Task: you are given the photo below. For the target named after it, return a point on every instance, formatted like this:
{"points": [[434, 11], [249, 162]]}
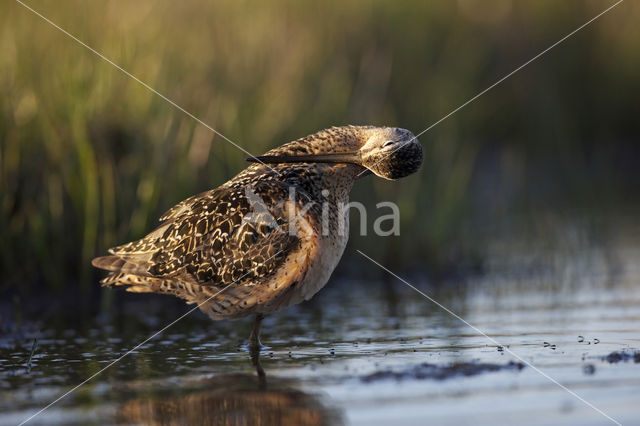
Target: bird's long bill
{"points": [[338, 157]]}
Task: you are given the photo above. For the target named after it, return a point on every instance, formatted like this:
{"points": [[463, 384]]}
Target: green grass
{"points": [[89, 158]]}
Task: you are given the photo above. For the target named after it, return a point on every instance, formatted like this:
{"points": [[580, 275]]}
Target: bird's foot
{"points": [[254, 347]]}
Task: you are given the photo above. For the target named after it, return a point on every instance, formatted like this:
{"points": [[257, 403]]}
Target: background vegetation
{"points": [[89, 158]]}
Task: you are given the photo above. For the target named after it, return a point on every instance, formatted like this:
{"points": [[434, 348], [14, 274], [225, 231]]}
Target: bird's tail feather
{"points": [[236, 302], [109, 263], [138, 283], [129, 274], [132, 264]]}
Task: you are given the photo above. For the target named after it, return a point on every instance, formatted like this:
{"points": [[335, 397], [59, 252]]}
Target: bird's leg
{"points": [[254, 348], [262, 377], [254, 339]]}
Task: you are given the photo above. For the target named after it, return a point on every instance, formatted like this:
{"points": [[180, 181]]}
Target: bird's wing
{"points": [[216, 238], [184, 206]]}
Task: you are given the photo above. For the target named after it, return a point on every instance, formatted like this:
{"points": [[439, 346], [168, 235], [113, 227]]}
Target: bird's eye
{"points": [[388, 143]]}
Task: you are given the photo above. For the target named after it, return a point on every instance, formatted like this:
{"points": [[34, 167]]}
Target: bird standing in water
{"points": [[271, 236]]}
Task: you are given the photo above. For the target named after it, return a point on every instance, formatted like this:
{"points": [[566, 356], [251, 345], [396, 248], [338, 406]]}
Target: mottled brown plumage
{"points": [[263, 258]]}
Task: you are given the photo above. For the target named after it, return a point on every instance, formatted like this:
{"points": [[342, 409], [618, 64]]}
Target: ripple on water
{"points": [[364, 360]]}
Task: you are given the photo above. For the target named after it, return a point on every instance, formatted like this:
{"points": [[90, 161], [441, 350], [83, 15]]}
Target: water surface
{"points": [[361, 352]]}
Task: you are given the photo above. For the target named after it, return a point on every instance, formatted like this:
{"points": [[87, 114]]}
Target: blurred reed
{"points": [[89, 158]]}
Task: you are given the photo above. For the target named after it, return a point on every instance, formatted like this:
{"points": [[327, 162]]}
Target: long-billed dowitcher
{"points": [[271, 236]]}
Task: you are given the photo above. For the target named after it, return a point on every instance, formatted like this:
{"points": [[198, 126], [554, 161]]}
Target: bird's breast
{"points": [[330, 239]]}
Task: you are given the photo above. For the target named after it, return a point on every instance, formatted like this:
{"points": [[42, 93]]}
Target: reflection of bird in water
{"points": [[271, 236], [226, 400]]}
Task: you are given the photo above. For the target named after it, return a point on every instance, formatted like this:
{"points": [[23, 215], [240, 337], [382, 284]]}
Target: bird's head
{"points": [[388, 152], [391, 153]]}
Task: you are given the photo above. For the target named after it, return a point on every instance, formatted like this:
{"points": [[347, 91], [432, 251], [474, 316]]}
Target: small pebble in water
{"points": [[589, 369], [500, 348], [596, 341], [580, 339], [546, 344]]}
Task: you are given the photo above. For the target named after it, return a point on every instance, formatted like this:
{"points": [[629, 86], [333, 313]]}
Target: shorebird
{"points": [[271, 236]]}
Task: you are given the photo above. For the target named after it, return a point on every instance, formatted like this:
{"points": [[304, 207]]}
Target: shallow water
{"points": [[361, 352]]}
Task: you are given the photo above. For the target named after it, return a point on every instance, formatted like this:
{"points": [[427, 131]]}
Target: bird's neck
{"points": [[333, 140]]}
